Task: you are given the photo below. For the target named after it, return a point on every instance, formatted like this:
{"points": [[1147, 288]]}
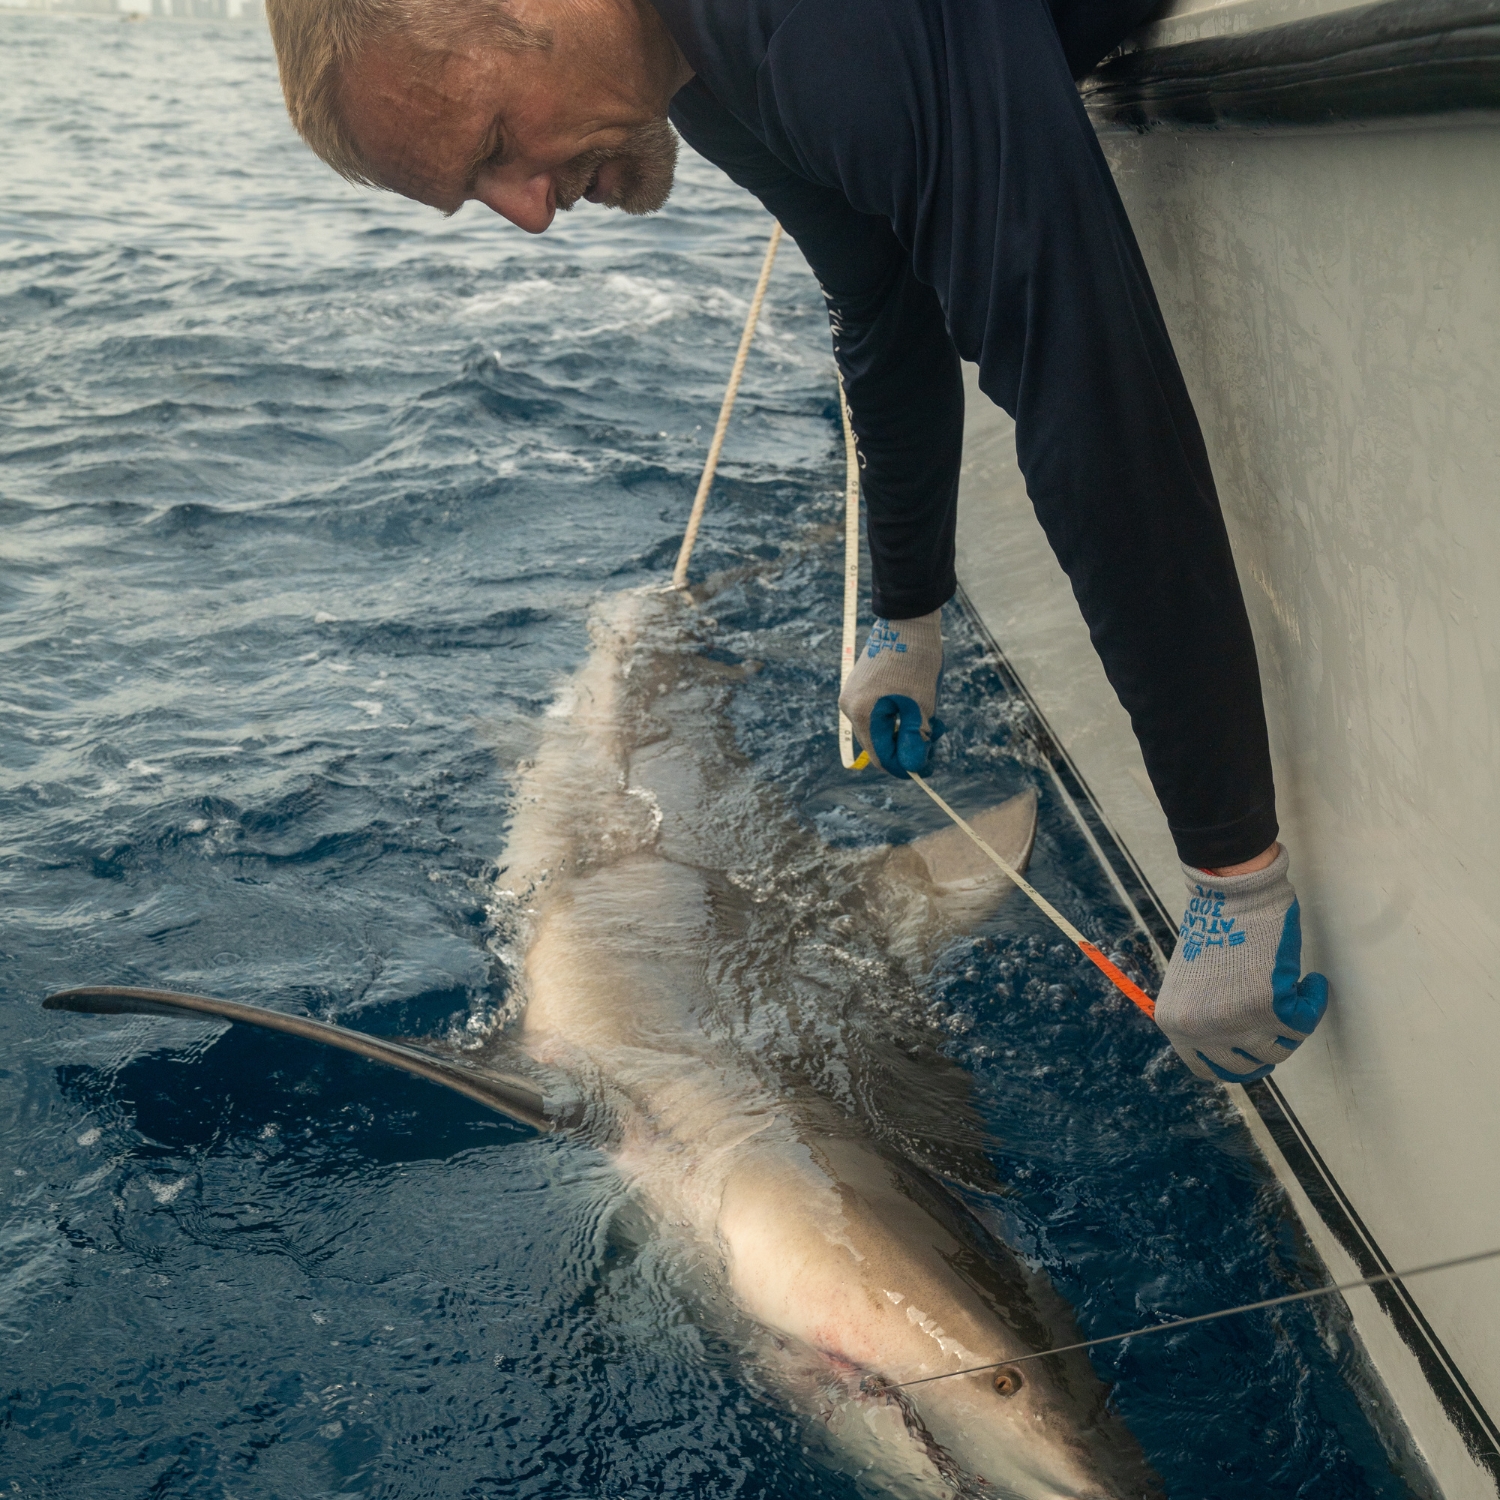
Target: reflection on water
{"points": [[305, 494]]}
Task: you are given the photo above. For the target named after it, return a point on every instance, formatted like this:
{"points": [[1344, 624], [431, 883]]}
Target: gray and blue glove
{"points": [[891, 692], [1234, 1002]]}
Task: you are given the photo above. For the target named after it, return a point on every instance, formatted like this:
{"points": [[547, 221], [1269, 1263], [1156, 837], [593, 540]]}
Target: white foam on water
{"points": [[589, 308], [166, 1192]]}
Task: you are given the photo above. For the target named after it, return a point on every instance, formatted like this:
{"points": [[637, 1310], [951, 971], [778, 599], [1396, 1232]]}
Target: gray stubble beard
{"points": [[649, 157]]}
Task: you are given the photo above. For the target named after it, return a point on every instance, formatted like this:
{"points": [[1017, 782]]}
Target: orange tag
{"points": [[1125, 986]]}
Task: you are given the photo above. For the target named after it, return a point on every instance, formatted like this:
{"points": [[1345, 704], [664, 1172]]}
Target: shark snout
{"points": [[1018, 1434]]}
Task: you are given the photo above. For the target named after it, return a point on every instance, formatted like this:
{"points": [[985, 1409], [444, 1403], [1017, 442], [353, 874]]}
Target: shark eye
{"points": [[1008, 1380]]}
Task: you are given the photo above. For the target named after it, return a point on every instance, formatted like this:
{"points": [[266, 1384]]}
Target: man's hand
{"points": [[1233, 1004], [892, 692]]}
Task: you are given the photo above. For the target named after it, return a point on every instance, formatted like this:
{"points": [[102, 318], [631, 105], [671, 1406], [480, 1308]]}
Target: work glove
{"points": [[891, 693], [1233, 1003]]}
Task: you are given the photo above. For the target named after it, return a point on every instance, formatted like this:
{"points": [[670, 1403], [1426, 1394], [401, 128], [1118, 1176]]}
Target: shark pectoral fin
{"points": [[952, 861], [522, 1100], [942, 883]]}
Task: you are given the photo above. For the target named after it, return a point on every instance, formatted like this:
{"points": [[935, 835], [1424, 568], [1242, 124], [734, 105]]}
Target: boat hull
{"points": [[1333, 296]]}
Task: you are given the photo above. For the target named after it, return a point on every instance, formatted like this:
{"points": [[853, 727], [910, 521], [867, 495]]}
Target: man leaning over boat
{"points": [[934, 163]]}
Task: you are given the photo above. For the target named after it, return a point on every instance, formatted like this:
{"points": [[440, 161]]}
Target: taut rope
{"points": [[1127, 987], [690, 536], [1225, 1312], [851, 761], [851, 580]]}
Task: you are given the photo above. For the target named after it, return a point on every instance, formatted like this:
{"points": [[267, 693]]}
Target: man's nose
{"points": [[528, 202]]}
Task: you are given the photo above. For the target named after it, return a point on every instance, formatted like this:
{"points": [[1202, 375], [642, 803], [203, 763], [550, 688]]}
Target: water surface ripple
{"points": [[305, 494]]}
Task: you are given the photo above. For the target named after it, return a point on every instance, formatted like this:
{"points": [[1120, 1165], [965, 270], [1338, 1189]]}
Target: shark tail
{"points": [[516, 1097]]}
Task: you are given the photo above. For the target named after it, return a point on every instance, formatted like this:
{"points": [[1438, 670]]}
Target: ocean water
{"points": [[306, 493]]}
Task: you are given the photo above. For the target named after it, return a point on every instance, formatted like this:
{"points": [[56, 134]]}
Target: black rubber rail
{"points": [[503, 1092], [1395, 58]]}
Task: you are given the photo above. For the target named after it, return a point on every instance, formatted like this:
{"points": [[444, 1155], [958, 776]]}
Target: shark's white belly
{"points": [[651, 982], [814, 1238]]}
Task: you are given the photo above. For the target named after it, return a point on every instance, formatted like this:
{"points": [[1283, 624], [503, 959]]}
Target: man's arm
{"points": [[901, 377], [900, 370], [959, 124]]}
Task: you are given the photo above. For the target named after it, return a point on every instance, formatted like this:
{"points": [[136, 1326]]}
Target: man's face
{"points": [[524, 132]]}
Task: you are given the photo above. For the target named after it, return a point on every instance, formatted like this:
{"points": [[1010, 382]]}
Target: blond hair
{"points": [[317, 41]]}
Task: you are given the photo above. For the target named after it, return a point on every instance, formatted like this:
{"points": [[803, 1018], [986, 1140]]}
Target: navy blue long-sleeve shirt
{"points": [[935, 165]]}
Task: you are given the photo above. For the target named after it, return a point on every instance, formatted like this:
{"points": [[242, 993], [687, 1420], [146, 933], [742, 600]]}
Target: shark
{"points": [[720, 1003]]}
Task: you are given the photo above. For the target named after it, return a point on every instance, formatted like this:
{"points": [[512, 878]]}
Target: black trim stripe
{"points": [[1395, 58], [1461, 1406]]}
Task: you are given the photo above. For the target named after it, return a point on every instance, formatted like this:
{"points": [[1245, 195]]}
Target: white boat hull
{"points": [[1334, 296]]}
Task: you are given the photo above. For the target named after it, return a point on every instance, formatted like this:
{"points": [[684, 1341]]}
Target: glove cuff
{"points": [[1245, 893], [922, 633]]}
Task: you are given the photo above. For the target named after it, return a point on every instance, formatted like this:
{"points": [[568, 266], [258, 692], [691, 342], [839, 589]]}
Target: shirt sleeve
{"points": [[957, 122]]}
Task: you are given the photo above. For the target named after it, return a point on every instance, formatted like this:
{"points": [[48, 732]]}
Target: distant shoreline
{"points": [[252, 13]]}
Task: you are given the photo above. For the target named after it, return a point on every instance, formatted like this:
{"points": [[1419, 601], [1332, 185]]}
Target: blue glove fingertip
{"points": [[896, 735], [911, 749], [883, 720], [1298, 1003], [1304, 1007], [1225, 1076]]}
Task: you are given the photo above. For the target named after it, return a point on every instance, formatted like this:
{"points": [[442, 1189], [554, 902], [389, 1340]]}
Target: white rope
{"points": [[1058, 920], [690, 536], [1225, 1312], [851, 602], [851, 576]]}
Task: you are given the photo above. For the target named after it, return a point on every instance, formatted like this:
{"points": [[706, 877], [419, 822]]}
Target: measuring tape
{"points": [[851, 760]]}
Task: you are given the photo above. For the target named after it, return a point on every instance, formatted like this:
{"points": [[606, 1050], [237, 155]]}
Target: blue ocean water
{"points": [[306, 493]]}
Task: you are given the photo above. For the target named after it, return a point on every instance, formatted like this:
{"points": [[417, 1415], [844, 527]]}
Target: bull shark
{"points": [[676, 935]]}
